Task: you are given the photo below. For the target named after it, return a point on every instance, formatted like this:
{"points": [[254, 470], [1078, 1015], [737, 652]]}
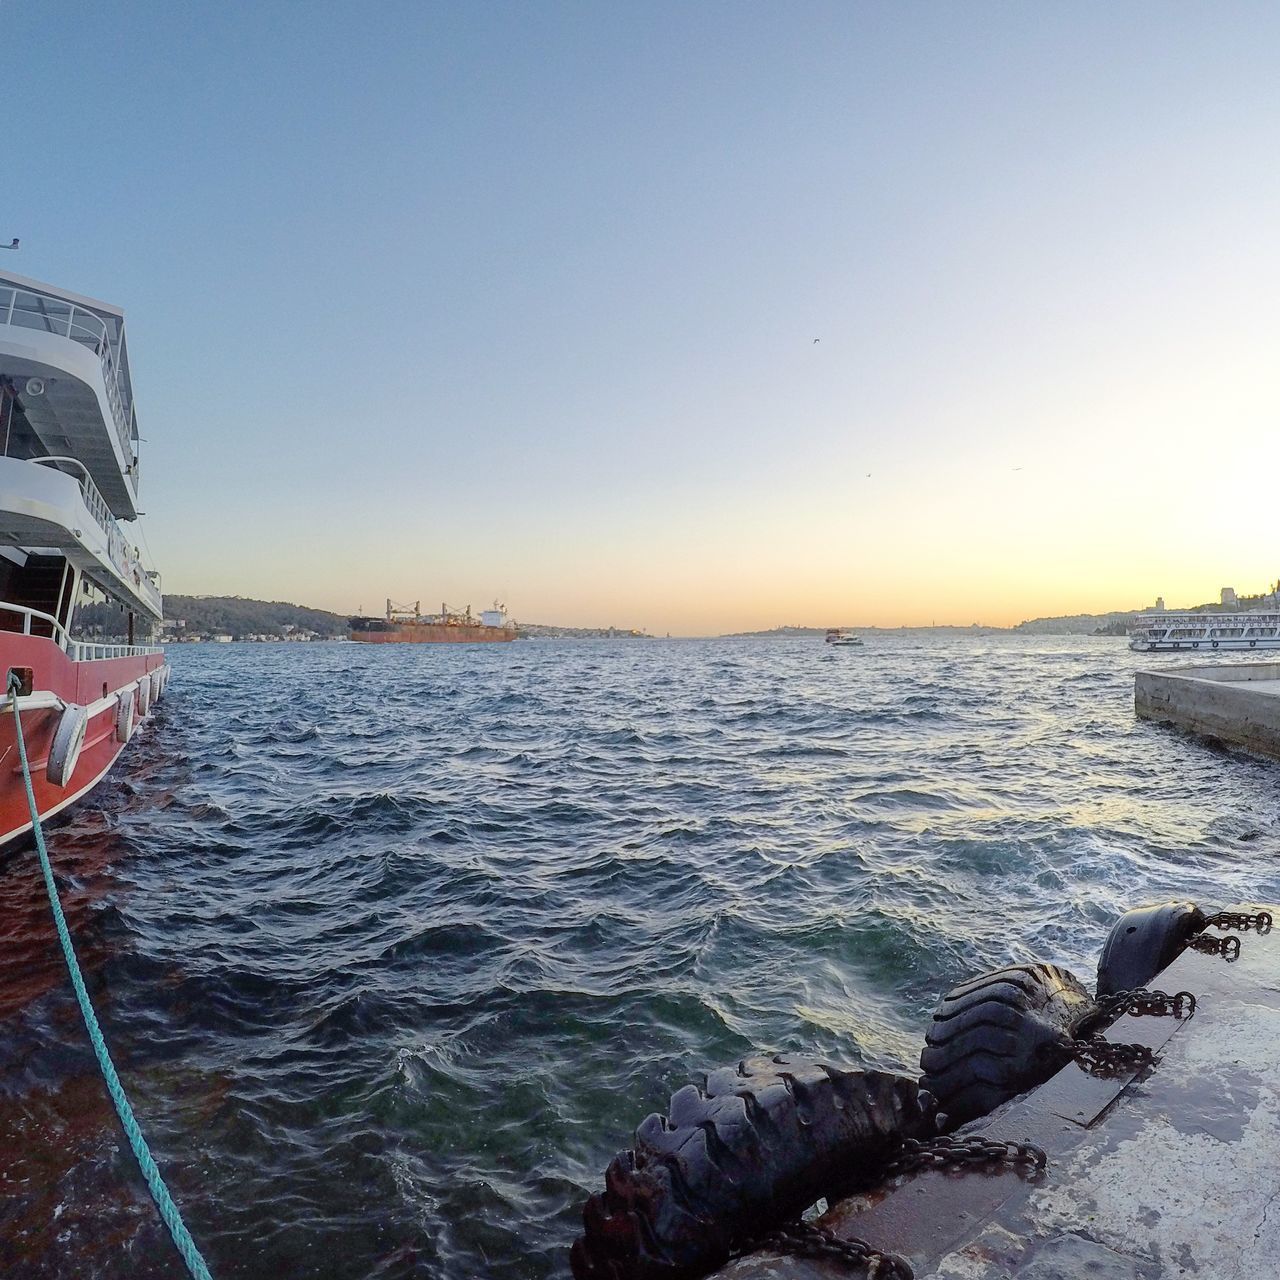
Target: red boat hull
{"points": [[436, 633], [57, 682]]}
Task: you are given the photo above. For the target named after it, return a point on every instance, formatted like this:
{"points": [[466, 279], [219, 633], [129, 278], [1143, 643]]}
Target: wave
{"points": [[400, 948]]}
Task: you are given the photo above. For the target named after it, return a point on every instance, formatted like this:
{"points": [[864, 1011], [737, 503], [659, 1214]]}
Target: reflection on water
{"points": [[395, 946]]}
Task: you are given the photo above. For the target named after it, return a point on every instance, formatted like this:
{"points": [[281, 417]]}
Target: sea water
{"points": [[395, 946]]}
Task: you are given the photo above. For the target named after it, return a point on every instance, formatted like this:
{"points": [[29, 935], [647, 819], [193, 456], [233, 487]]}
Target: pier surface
{"points": [[1169, 1172], [1235, 702]]}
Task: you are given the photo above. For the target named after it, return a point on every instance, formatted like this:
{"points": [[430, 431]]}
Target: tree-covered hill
{"points": [[234, 616], [218, 615]]}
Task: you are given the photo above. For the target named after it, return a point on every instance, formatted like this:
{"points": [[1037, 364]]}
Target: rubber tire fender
{"points": [[1143, 942], [747, 1151], [143, 699], [999, 1035], [68, 739], [124, 715]]}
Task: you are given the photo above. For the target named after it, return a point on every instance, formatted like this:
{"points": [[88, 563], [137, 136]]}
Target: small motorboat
{"points": [[846, 639]]}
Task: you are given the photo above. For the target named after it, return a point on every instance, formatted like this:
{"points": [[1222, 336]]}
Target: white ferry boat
{"points": [[68, 475], [844, 639], [1169, 631]]}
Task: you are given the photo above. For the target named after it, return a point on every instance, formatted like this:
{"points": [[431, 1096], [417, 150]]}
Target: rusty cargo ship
{"points": [[405, 625]]}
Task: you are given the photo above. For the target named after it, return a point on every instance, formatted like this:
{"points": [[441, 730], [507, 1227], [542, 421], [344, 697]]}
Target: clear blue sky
{"points": [[457, 300]]}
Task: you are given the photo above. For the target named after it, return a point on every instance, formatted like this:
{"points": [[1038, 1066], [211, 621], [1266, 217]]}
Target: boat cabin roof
{"points": [[111, 316]]}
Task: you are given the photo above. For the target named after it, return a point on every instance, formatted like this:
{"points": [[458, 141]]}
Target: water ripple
{"points": [[396, 946]]}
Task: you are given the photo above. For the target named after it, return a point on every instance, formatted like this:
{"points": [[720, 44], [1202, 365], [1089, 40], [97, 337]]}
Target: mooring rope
{"points": [[186, 1246]]}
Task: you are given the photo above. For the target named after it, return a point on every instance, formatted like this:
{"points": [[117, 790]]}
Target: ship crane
{"points": [[401, 611]]}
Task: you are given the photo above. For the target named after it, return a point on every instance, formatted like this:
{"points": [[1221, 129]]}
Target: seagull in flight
{"points": [[815, 339]]}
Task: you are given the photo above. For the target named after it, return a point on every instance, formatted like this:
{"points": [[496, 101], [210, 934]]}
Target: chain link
{"points": [[1228, 948], [971, 1150], [1143, 1003], [1260, 921], [1101, 1057], [1096, 1055], [804, 1240]]}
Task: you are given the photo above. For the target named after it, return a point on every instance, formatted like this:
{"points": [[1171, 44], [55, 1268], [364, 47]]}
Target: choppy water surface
{"points": [[396, 945]]}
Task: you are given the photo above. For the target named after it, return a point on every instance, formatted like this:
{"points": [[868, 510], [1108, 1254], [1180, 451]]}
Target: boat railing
{"points": [[27, 310], [126, 563], [76, 650]]}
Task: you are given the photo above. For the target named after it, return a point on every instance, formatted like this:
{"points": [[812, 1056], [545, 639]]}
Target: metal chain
{"points": [[1099, 1056], [1143, 1003], [971, 1150], [804, 1240], [1228, 948], [1260, 920]]}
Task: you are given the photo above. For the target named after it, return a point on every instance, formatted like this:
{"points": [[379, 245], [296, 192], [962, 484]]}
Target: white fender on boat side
{"points": [[144, 696], [157, 685], [124, 714], [68, 738]]}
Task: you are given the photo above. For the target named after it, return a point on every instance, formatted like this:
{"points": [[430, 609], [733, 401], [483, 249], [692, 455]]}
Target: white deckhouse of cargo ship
{"points": [[1169, 631], [68, 475]]}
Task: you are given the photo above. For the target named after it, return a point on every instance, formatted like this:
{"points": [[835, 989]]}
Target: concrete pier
{"points": [[1234, 702], [1169, 1172]]}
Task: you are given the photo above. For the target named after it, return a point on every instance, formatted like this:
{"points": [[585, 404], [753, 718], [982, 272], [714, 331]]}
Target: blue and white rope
{"points": [[159, 1192]]}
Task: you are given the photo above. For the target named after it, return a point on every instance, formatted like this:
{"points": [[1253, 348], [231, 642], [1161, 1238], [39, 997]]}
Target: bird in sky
{"points": [[815, 339], [14, 245]]}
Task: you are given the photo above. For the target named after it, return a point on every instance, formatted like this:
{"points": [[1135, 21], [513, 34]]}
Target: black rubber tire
{"points": [[1143, 942], [999, 1035], [750, 1150]]}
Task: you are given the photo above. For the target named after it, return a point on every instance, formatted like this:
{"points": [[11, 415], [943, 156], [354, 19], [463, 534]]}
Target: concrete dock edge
{"points": [[1237, 703]]}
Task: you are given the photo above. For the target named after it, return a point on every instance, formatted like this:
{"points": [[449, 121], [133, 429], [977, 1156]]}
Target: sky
{"points": [[465, 301]]}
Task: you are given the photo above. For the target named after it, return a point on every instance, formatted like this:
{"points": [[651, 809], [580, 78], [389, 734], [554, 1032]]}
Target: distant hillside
{"points": [[805, 633], [197, 617], [1080, 624], [549, 631], [234, 616], [213, 615]]}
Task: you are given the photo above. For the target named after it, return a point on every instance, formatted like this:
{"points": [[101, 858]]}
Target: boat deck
{"points": [[66, 361], [1169, 1174]]}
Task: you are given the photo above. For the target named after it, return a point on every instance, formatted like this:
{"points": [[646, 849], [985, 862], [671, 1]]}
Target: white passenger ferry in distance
{"points": [[68, 476], [1199, 631]]}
